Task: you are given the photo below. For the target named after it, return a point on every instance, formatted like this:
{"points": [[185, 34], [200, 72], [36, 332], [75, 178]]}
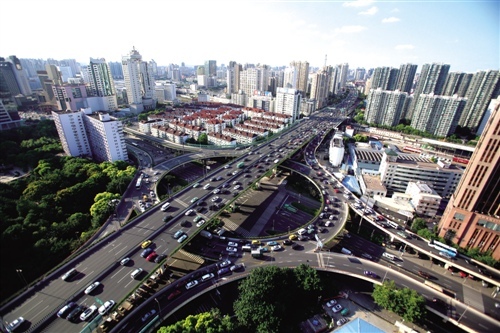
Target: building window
{"points": [[459, 217]]}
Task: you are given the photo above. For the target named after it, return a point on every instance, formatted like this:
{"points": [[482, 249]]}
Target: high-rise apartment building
{"points": [[84, 133], [139, 82], [438, 115], [70, 97], [116, 69], [431, 80], [385, 78], [13, 78], [360, 74], [385, 107], [457, 83], [320, 85], [301, 69], [101, 83], [211, 68], [254, 79], [233, 77], [343, 75], [288, 102], [472, 217], [483, 86], [8, 119], [406, 75]]}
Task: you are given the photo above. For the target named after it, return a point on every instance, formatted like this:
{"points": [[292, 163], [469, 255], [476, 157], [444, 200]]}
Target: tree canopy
{"points": [[206, 322], [405, 302]]}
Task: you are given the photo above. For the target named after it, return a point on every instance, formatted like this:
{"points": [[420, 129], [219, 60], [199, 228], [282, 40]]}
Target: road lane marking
{"points": [[122, 279], [117, 272], [40, 311], [35, 306], [86, 276]]}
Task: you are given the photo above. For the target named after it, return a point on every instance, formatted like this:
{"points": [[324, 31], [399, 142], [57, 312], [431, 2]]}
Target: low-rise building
{"points": [[424, 199]]}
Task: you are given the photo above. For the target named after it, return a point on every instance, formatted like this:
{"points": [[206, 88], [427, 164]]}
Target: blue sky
{"points": [[364, 33]]}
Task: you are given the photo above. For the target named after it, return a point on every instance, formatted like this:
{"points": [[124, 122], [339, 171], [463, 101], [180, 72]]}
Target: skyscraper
{"points": [[288, 102], [101, 83], [139, 82], [406, 75], [457, 83], [254, 79], [320, 85], [211, 68], [385, 107], [301, 75], [13, 78], [233, 77], [437, 114], [385, 78], [431, 80], [472, 217], [481, 90]]}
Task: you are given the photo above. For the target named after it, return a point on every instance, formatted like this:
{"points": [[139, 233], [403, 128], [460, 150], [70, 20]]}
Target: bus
{"points": [[138, 184], [460, 160], [135, 144], [440, 247], [412, 149], [290, 208], [240, 165]]}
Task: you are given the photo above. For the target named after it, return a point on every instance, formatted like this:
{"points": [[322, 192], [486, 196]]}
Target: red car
{"points": [[174, 294], [462, 274], [151, 256]]}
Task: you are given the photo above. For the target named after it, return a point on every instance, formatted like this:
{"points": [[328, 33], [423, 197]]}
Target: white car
{"points": [[214, 199], [233, 244], [189, 212], [231, 249], [88, 313], [92, 287], [331, 303], [200, 223], [124, 261], [15, 324], [337, 308], [225, 263], [237, 187], [217, 190], [106, 307], [276, 248], [191, 284]]}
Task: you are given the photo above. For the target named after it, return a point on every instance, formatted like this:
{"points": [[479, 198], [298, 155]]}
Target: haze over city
{"points": [[364, 33]]}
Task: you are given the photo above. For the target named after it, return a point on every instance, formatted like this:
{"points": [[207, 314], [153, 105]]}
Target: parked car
{"points": [[146, 243], [191, 284], [146, 252], [342, 321], [231, 249], [236, 267], [223, 271], [151, 256], [331, 303], [89, 313], [160, 258], [233, 244], [225, 263], [337, 308], [65, 310], [108, 305], [124, 261]]}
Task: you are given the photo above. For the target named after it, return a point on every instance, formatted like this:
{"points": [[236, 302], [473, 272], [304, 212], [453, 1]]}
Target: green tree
{"points": [[404, 302], [206, 322], [203, 139], [418, 224]]}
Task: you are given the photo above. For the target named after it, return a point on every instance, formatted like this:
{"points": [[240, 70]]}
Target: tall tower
{"points": [[472, 217], [406, 75], [432, 79], [481, 89], [320, 85], [344, 72], [139, 82], [301, 70], [385, 78], [288, 102], [457, 83], [210, 68], [233, 77], [101, 83], [13, 78]]}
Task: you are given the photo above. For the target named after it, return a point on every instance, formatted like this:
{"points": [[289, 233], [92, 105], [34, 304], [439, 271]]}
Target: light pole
{"points": [[20, 273], [159, 307]]}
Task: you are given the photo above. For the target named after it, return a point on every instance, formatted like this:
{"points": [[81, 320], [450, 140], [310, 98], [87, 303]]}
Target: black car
{"points": [[167, 218], [213, 179], [74, 315], [160, 258], [184, 223]]}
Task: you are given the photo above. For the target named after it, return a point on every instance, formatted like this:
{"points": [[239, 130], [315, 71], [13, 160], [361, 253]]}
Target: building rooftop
{"points": [[368, 155], [358, 325], [373, 183]]}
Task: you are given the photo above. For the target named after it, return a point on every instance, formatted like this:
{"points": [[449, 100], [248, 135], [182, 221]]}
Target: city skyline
{"points": [[363, 33]]}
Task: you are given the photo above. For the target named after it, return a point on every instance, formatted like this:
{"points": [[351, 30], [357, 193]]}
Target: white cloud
{"points": [[404, 47], [358, 3], [349, 29], [391, 19], [395, 10], [371, 11]]}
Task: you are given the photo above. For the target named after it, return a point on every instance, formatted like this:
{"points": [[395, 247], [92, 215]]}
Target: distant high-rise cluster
{"points": [[441, 100], [139, 82]]}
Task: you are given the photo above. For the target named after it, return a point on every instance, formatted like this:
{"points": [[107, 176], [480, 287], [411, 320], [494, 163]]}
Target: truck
{"points": [[257, 253], [206, 234]]}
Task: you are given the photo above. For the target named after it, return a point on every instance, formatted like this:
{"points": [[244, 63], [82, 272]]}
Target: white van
{"points": [[346, 251], [136, 273], [393, 224], [206, 187], [165, 206], [302, 231], [389, 256]]}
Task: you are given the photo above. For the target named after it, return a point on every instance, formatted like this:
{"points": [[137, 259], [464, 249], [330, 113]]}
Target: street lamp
{"points": [[159, 307], [20, 273]]}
